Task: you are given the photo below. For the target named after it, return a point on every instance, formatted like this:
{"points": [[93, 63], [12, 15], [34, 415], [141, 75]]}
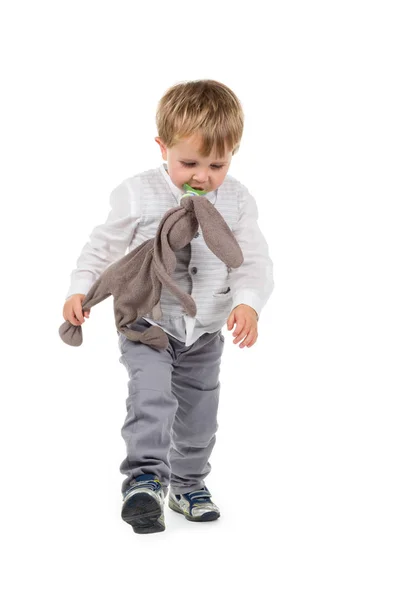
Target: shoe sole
{"points": [[210, 516], [142, 512]]}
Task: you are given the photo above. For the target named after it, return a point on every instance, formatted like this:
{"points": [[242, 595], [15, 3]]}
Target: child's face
{"points": [[186, 165]]}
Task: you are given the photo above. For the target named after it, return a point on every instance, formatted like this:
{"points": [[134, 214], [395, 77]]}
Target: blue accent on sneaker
{"points": [[148, 480], [145, 477], [202, 495]]}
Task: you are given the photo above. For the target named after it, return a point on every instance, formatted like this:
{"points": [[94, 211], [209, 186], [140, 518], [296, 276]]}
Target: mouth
{"points": [[202, 191]]}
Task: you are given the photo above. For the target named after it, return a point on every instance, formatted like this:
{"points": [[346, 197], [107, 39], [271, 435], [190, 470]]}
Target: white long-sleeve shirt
{"points": [[251, 283]]}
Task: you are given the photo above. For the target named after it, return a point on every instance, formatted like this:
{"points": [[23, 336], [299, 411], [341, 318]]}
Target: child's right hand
{"points": [[72, 310]]}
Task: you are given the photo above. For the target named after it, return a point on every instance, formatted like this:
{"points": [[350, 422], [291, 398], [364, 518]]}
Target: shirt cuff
{"points": [[250, 298], [82, 286]]}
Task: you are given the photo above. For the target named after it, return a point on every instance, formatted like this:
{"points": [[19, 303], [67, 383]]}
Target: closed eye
{"points": [[193, 164]]}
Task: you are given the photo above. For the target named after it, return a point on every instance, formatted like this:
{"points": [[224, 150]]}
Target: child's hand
{"points": [[72, 311], [245, 318]]}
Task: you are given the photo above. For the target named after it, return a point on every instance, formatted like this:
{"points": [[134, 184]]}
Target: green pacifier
{"points": [[187, 188]]}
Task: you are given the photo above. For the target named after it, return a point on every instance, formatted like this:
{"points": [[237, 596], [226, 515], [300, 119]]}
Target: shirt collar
{"points": [[177, 192]]}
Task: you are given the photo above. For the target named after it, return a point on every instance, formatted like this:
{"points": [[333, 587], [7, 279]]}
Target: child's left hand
{"points": [[245, 318]]}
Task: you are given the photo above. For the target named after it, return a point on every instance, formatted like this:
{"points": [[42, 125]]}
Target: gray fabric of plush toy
{"points": [[136, 280]]}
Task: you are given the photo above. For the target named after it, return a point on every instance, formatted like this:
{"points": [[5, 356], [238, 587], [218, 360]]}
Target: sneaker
{"points": [[195, 506], [143, 505]]}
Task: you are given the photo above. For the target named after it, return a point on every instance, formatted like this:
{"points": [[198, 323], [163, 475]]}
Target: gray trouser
{"points": [[172, 407]]}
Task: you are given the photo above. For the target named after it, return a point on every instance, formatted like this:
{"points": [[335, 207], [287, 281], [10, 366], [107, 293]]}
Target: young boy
{"points": [[173, 397]]}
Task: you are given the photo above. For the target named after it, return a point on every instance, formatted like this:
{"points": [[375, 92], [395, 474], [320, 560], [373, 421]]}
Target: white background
{"points": [[306, 465]]}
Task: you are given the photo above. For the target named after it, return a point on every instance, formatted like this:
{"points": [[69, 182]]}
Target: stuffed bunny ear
{"points": [[217, 235], [163, 252], [97, 293], [71, 334], [153, 336]]}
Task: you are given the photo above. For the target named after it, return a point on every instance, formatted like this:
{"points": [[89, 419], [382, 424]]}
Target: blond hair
{"points": [[204, 107]]}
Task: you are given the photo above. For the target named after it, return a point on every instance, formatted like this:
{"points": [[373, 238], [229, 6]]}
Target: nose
{"points": [[200, 177]]}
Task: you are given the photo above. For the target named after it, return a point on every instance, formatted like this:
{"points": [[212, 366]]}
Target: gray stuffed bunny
{"points": [[136, 280]]}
